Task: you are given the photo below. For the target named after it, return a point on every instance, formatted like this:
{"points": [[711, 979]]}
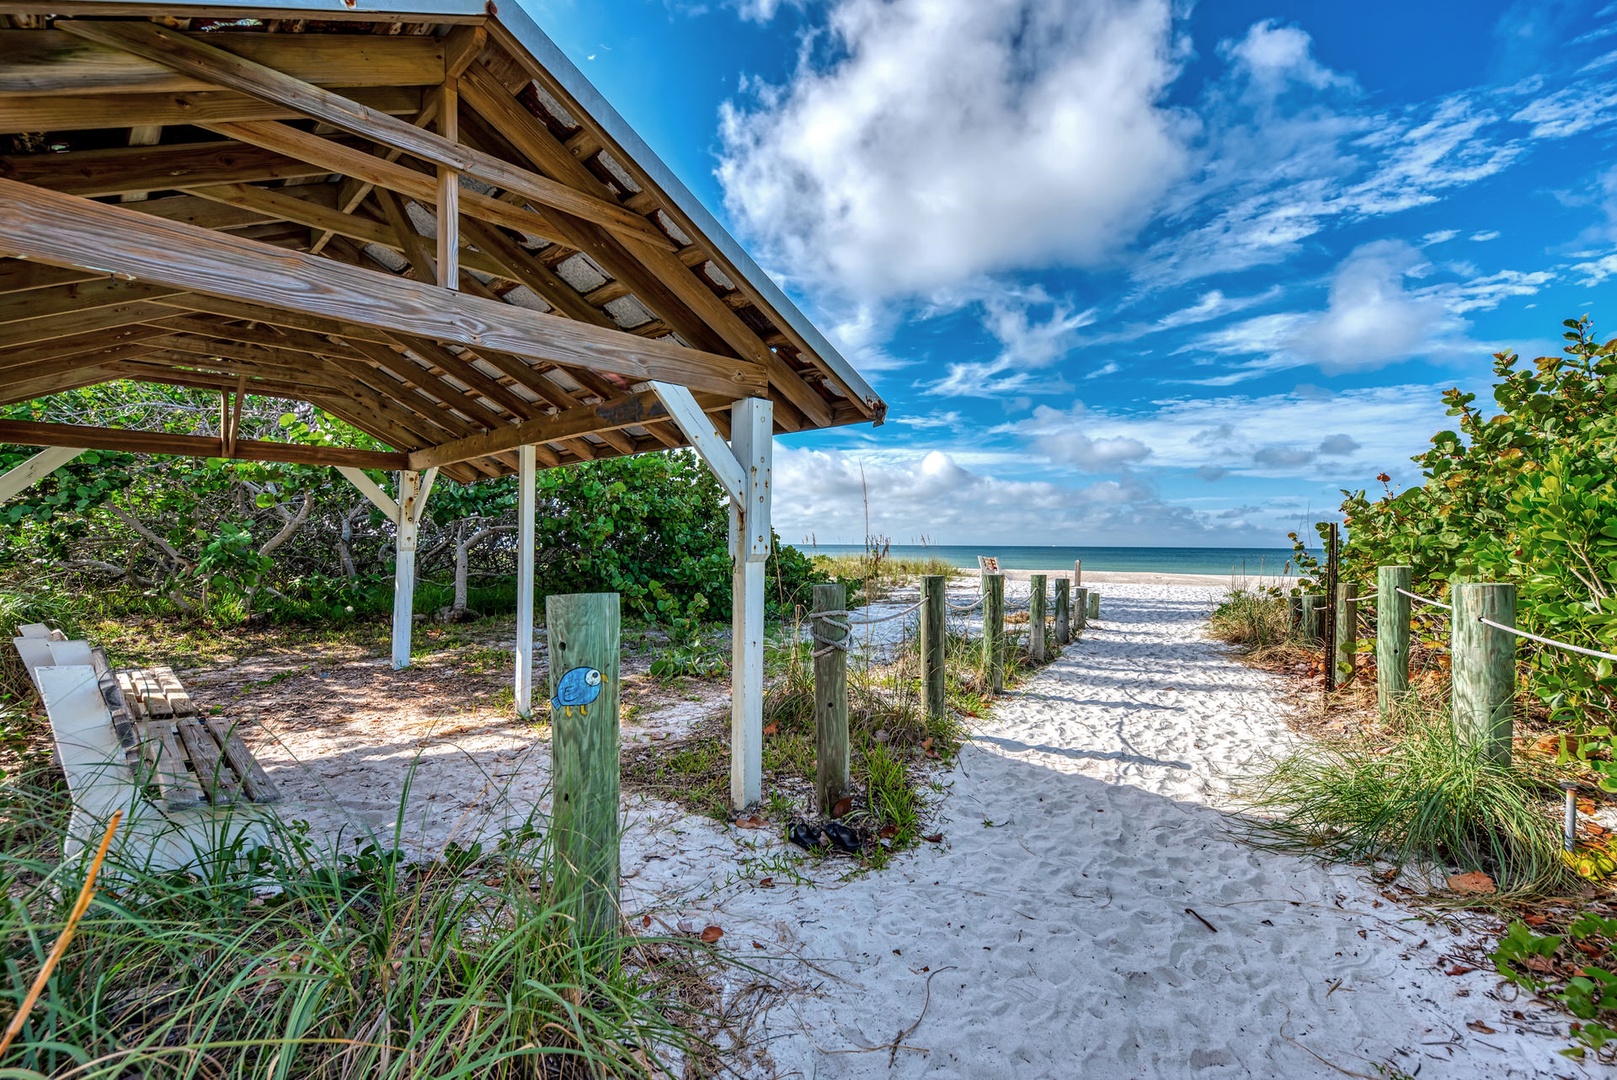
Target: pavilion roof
{"points": [[252, 199]]}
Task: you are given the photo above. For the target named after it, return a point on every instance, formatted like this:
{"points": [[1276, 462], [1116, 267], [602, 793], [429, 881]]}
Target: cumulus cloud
{"points": [[1371, 318], [1269, 436], [824, 494], [920, 144], [1033, 331]]}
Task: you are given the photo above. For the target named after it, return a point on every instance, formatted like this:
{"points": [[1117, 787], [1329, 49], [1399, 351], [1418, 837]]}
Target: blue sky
{"points": [[1134, 271]]}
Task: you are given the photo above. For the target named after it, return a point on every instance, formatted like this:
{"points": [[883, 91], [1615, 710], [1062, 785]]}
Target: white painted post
{"points": [[407, 527], [752, 428], [35, 469], [526, 468]]}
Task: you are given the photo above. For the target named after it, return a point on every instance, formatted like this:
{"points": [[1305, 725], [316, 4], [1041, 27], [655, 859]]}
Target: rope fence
{"points": [[1425, 600], [1568, 646]]}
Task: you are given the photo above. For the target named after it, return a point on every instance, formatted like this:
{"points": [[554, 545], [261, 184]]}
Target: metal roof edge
{"points": [[539, 45]]}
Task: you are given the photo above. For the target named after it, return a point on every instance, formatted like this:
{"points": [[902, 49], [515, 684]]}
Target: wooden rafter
{"points": [[30, 433], [66, 230], [59, 112], [218, 67]]}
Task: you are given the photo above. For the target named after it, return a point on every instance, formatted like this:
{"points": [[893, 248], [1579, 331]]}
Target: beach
{"points": [[1090, 908]]}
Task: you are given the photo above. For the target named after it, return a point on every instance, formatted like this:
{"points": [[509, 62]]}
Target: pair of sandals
{"points": [[810, 837]]}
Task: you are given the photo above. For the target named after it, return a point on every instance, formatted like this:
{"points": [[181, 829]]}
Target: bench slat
{"points": [[174, 692], [211, 771], [260, 788], [160, 748]]}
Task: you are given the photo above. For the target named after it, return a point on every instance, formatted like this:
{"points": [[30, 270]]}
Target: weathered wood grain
{"points": [[71, 112], [30, 433], [72, 231]]}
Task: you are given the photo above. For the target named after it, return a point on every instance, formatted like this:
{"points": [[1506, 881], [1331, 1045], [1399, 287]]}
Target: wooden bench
{"points": [[133, 739]]}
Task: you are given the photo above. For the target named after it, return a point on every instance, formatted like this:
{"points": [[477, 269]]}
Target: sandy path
{"points": [[1079, 826]]}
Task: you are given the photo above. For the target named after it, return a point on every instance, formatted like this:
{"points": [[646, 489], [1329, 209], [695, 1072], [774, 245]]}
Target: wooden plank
{"points": [[59, 112], [74, 324], [66, 230], [334, 156], [214, 65], [215, 776], [54, 62], [151, 695], [178, 699], [628, 411], [257, 783], [79, 296], [19, 275], [121, 169], [164, 757], [30, 433], [704, 437]]}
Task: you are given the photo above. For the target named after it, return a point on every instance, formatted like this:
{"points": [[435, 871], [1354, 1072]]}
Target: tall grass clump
{"points": [[1252, 619], [1417, 794], [303, 964]]}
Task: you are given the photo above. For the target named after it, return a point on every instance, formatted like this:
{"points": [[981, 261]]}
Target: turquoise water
{"points": [[1157, 560]]}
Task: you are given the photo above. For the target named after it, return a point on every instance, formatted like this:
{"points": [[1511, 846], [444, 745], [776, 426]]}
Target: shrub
{"points": [[1420, 794]]}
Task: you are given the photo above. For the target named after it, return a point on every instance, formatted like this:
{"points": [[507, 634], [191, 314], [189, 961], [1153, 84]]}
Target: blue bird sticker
{"points": [[577, 689]]}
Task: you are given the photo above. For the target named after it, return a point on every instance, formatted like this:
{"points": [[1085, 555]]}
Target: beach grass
{"points": [[302, 962], [1412, 791]]}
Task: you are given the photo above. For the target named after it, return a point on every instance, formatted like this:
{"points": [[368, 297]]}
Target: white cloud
{"points": [[1442, 236], [1028, 345], [942, 141], [1572, 110], [1370, 319], [827, 494], [1273, 57], [1276, 435], [1485, 235]]}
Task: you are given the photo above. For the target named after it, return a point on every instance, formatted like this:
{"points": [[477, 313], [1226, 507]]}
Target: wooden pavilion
{"points": [[416, 215]]}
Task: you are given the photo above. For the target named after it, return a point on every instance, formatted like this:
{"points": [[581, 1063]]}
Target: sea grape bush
{"points": [[1527, 495], [223, 540]]}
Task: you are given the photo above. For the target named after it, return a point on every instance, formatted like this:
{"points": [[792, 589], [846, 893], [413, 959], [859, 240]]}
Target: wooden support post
{"points": [[1294, 612], [582, 630], [1077, 572], [1484, 663], [1038, 587], [527, 469], [831, 780], [1312, 615], [406, 529], [994, 632], [448, 207], [1080, 608], [1094, 607], [1063, 611], [1392, 636], [24, 476], [934, 618], [1347, 630], [751, 442]]}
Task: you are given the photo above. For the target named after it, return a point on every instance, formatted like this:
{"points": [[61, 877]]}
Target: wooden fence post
{"points": [[1484, 666], [934, 618], [1080, 608], [1038, 587], [1294, 612], [1392, 636], [1063, 611], [1347, 630], [1077, 572], [1094, 607], [831, 697], [994, 632], [582, 629], [1312, 616]]}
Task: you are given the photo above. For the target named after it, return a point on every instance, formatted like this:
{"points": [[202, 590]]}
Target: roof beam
{"points": [[68, 112], [221, 68], [53, 62], [631, 410], [122, 169], [30, 433], [61, 229], [331, 156]]}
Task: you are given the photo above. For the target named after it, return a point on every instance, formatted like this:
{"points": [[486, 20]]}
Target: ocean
{"points": [[1159, 560]]}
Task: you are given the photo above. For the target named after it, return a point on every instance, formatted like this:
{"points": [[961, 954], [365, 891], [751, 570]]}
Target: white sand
{"points": [[1078, 828]]}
